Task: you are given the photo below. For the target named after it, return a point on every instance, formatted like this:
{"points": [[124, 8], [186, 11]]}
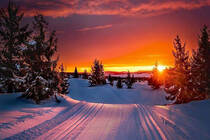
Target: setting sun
{"points": [[161, 68]]}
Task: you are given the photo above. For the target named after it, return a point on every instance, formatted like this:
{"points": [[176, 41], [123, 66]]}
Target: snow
{"points": [[104, 113], [141, 93], [18, 115], [32, 42]]}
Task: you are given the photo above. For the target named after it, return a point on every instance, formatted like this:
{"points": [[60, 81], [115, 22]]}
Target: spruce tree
{"points": [[133, 80], [75, 75], [97, 76], [180, 75], [200, 66], [154, 81], [64, 80], [119, 83], [13, 37], [129, 81], [110, 79], [42, 79], [85, 74]]}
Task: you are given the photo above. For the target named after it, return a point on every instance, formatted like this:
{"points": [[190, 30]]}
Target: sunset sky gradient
{"points": [[122, 33]]}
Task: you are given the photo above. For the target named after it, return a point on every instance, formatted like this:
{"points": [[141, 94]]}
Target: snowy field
{"points": [[141, 93], [104, 113]]}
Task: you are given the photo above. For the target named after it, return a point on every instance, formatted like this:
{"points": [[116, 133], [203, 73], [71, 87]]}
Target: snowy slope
{"points": [[119, 116]]}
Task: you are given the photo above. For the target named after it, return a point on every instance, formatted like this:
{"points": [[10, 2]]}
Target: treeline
{"points": [[97, 77], [189, 79], [26, 57]]}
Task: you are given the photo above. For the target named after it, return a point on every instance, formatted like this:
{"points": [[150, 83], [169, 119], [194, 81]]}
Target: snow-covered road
{"points": [[106, 113]]}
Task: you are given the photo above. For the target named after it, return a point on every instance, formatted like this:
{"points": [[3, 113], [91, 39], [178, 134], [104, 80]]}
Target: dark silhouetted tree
{"points": [[200, 66], [119, 83], [64, 80], [180, 75], [76, 75], [129, 81], [154, 81], [85, 74], [111, 80], [133, 80], [42, 80], [13, 37], [97, 74]]}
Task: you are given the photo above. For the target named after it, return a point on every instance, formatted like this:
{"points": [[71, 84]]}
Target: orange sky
{"points": [[135, 50], [123, 34]]}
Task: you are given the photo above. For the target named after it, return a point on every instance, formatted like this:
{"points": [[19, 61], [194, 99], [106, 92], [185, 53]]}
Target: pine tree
{"points": [[180, 75], [200, 66], [97, 74], [85, 74], [119, 83], [169, 86], [110, 79], [42, 80], [75, 73], [129, 81], [62, 73], [13, 36], [64, 80], [133, 80], [154, 81]]}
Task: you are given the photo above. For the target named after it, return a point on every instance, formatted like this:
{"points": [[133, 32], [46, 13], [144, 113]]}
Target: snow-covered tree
{"points": [[129, 80], [97, 74], [180, 75], [200, 66], [119, 83], [85, 74], [13, 36], [111, 80], [75, 75], [42, 80], [190, 80]]}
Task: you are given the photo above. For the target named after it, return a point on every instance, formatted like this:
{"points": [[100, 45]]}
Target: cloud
{"points": [[95, 28], [63, 8]]}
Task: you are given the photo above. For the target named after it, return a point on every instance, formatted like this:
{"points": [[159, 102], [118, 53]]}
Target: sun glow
{"points": [[161, 68], [122, 68]]}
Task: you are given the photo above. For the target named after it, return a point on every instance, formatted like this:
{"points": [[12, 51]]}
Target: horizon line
{"points": [[118, 68]]}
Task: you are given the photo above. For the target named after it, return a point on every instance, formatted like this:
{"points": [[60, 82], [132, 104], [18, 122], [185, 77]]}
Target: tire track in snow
{"points": [[154, 125], [169, 123], [73, 126], [44, 127], [150, 124], [85, 122], [146, 125]]}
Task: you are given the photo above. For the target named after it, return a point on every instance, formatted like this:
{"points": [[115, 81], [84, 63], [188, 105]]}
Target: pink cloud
{"points": [[95, 28], [63, 8]]}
